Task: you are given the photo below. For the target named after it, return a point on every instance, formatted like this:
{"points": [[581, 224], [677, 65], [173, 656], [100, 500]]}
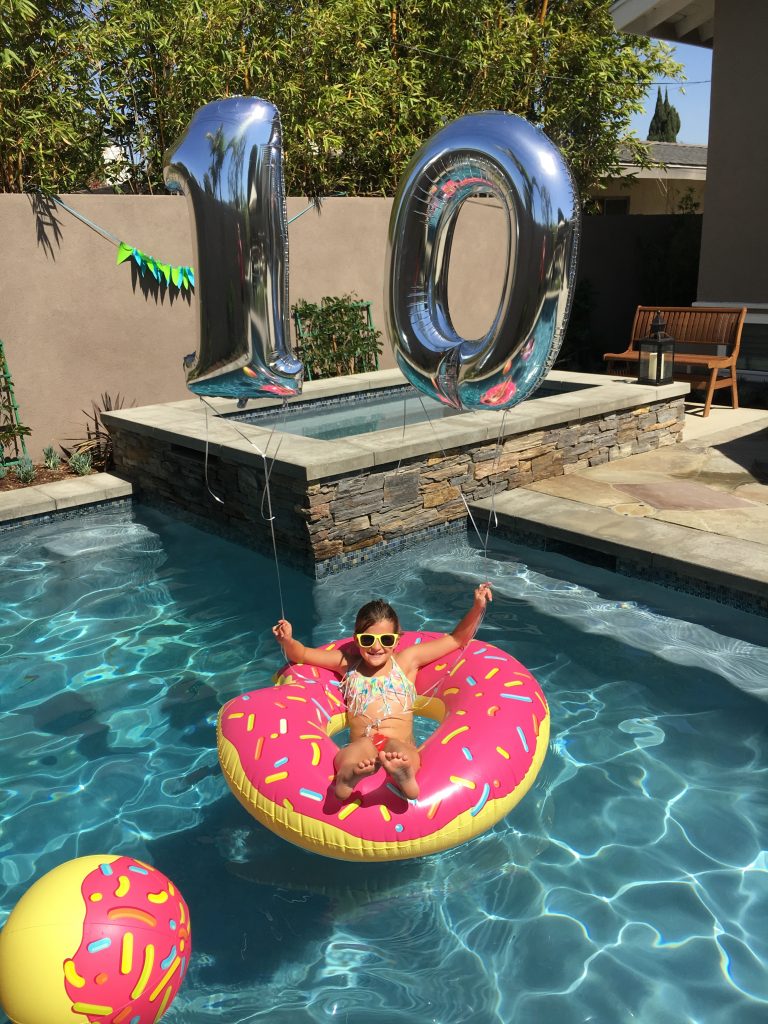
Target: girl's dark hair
{"points": [[374, 611]]}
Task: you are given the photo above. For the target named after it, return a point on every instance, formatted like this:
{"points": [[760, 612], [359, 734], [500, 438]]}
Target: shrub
{"points": [[11, 433], [97, 442], [336, 336], [25, 470], [51, 458], [3, 472], [80, 463]]}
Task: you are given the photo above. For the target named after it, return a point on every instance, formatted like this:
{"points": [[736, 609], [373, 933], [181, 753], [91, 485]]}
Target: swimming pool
{"points": [[351, 415], [629, 885]]}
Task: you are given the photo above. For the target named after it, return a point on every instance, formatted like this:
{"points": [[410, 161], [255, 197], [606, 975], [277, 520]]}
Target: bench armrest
{"points": [[629, 354]]}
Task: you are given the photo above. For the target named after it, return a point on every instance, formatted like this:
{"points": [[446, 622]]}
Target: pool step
{"points": [[656, 550]]}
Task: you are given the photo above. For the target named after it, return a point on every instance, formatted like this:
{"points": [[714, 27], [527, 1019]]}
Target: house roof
{"points": [[679, 21], [673, 154]]}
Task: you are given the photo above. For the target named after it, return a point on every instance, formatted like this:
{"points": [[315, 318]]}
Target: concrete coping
{"points": [[200, 425], [73, 492], [710, 558]]}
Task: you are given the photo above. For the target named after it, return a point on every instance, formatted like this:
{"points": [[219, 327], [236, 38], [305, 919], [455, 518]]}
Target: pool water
{"points": [[362, 414], [629, 885], [347, 419]]}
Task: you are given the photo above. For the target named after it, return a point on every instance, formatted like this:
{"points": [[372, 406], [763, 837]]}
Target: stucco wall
{"points": [[656, 195], [75, 325]]}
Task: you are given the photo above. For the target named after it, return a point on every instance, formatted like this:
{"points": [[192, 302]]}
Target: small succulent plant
{"points": [[51, 458], [25, 470], [80, 463]]}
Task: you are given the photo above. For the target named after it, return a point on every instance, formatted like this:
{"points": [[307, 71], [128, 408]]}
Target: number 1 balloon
{"points": [[497, 155], [229, 165]]}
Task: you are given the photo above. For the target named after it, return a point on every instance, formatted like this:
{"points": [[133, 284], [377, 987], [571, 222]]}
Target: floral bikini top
{"points": [[395, 693]]}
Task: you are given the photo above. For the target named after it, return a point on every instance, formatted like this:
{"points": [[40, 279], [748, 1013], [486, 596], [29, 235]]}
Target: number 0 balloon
{"points": [[229, 163], [501, 156]]}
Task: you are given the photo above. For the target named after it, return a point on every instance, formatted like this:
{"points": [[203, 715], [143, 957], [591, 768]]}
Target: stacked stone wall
{"points": [[331, 519]]}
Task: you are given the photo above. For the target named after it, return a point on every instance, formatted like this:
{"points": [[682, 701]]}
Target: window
{"points": [[614, 205]]}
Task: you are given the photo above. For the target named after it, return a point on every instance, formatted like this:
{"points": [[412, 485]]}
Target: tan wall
{"points": [[75, 325], [651, 196], [734, 249]]}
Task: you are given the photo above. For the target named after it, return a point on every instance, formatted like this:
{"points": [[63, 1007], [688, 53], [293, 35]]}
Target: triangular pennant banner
{"points": [[181, 277]]}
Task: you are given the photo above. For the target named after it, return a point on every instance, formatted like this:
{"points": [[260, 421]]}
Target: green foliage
{"points": [[360, 83], [25, 470], [688, 203], [336, 337], [3, 471], [12, 432], [97, 443], [665, 123], [80, 463], [51, 458], [9, 432], [51, 130]]}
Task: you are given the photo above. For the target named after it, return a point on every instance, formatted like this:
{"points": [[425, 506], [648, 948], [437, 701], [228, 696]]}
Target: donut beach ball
{"points": [[104, 939]]}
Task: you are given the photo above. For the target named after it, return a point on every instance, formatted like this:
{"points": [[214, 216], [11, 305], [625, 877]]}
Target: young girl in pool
{"points": [[379, 690]]}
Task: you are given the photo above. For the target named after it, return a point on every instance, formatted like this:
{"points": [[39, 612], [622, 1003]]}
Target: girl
{"points": [[379, 691]]}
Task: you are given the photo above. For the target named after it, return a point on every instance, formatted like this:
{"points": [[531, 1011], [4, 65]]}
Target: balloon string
{"points": [[402, 447], [205, 465], [496, 462], [266, 496], [442, 450]]}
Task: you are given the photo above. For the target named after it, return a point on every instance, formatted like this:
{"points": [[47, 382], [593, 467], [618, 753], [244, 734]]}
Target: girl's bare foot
{"points": [[348, 776], [399, 766]]}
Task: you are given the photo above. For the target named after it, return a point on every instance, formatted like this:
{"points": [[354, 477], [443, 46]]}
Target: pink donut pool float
{"points": [[276, 753]]}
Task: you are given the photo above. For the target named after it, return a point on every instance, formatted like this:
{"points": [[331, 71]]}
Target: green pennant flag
{"points": [[181, 277], [124, 252]]}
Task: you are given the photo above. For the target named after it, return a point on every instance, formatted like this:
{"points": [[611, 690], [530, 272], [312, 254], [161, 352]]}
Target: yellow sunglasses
{"points": [[366, 640]]}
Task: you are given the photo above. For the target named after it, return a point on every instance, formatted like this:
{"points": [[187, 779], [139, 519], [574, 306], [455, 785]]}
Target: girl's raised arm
{"points": [[423, 654], [297, 653]]}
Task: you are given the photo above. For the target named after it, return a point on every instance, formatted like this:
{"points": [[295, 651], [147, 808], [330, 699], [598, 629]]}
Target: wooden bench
{"points": [[707, 340]]}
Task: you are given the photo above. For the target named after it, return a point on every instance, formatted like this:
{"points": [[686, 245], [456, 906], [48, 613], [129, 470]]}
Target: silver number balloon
{"points": [[501, 156], [229, 165]]}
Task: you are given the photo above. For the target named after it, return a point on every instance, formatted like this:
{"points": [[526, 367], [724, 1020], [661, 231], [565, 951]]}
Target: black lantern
{"points": [[656, 355]]}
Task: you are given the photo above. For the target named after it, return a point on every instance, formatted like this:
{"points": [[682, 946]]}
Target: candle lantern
{"points": [[656, 355]]}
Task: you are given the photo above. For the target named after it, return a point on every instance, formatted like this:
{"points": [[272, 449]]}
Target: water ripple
{"points": [[631, 884]]}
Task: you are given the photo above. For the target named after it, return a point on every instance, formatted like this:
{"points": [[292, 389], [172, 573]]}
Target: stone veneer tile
{"points": [[683, 495], [580, 488], [334, 499]]}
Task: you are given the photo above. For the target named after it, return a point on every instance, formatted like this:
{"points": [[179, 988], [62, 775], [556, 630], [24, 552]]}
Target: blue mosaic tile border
{"points": [[361, 397], [624, 566], [329, 401], [116, 504], [303, 560], [233, 532], [374, 553], [720, 593]]}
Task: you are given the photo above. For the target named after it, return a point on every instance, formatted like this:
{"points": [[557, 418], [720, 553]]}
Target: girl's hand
{"points": [[483, 594], [283, 630]]}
